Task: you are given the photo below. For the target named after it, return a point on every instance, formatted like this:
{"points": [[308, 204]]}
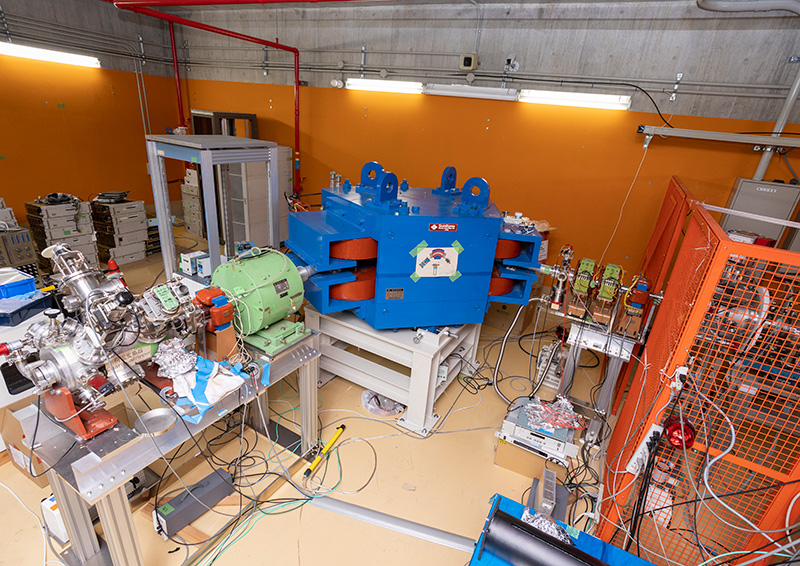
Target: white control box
{"points": [[204, 265], [188, 262]]}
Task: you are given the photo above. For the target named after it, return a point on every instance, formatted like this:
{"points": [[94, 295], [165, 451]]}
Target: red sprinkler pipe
{"points": [[177, 76], [128, 4], [266, 43]]}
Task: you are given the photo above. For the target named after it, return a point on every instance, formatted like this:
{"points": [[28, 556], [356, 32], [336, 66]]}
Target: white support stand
{"points": [[420, 351]]}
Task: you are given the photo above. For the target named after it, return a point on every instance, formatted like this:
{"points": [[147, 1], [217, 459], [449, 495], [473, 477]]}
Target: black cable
{"points": [[719, 544], [729, 494], [155, 279], [189, 432], [755, 550], [164, 472], [540, 334], [522, 498], [596, 360], [33, 442], [789, 165], [638, 510], [636, 515]]}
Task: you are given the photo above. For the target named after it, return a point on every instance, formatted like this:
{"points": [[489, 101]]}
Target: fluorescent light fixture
{"points": [[26, 52], [467, 91], [580, 99], [377, 85]]}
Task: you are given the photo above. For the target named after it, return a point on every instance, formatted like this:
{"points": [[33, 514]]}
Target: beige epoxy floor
{"points": [[443, 481]]}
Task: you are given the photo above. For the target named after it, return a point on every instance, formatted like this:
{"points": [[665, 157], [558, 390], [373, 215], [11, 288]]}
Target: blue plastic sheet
{"points": [[204, 369]]}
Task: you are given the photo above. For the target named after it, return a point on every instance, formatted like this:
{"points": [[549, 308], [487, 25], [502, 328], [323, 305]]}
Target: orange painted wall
{"points": [[571, 166], [76, 130]]}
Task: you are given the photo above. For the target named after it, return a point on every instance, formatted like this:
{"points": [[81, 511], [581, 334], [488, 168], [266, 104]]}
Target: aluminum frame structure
{"points": [[208, 152], [97, 473]]}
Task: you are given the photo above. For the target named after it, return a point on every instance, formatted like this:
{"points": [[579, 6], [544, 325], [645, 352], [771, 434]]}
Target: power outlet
{"points": [[441, 373], [640, 457]]}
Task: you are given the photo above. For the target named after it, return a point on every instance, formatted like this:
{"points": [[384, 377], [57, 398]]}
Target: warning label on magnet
{"points": [[436, 262]]}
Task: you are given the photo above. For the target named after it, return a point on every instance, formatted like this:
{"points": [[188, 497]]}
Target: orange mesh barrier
{"points": [[731, 314]]}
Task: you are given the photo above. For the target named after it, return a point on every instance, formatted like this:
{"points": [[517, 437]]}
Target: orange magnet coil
{"points": [[360, 248], [498, 285], [206, 295], [506, 249], [361, 289], [219, 316]]}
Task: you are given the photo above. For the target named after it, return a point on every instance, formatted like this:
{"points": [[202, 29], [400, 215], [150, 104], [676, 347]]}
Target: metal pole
{"points": [[75, 514], [177, 75], [438, 536], [235, 35], [158, 178], [604, 397], [210, 203], [120, 533], [307, 377], [780, 123], [571, 364]]}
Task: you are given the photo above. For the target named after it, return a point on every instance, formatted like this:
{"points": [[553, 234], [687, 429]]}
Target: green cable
{"points": [[249, 524], [251, 521]]}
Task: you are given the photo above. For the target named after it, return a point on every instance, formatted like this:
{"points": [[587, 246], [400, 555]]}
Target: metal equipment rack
{"points": [[218, 123], [208, 152]]}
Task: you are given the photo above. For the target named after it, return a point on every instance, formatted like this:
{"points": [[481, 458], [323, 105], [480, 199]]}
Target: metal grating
{"points": [[732, 315], [698, 246]]}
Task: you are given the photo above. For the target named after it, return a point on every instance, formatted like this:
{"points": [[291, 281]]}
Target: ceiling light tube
{"points": [[468, 91], [50, 55], [580, 99], [377, 85]]}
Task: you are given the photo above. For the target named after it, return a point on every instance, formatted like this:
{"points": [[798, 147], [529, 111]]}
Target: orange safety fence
{"points": [[731, 315]]}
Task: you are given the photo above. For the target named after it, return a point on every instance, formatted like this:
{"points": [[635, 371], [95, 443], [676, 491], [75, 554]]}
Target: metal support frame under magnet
{"points": [[420, 351], [307, 380]]}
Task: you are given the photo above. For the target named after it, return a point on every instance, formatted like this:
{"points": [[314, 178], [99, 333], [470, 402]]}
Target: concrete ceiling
{"points": [[732, 65], [724, 58]]}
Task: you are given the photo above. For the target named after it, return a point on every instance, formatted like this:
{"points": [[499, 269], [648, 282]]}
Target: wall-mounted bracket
{"points": [[265, 64], [674, 94], [186, 55], [4, 25], [765, 141]]}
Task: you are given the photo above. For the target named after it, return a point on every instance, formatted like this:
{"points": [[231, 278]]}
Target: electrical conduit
{"points": [[763, 6], [177, 75], [172, 19]]}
